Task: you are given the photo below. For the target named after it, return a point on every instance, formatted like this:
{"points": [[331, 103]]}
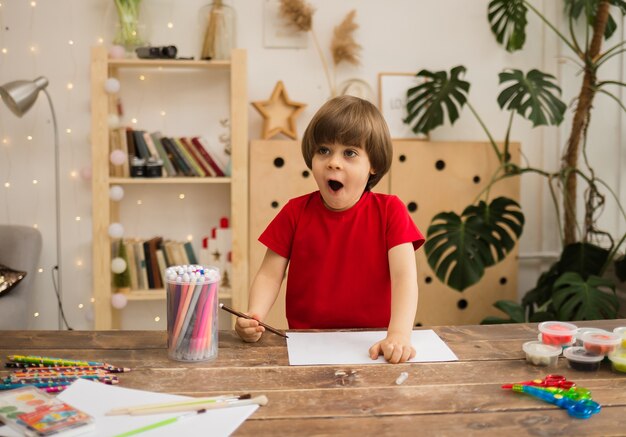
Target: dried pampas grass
{"points": [[298, 13], [343, 46]]}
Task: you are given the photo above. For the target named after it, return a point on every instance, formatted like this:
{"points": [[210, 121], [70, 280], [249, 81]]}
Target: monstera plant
{"points": [[460, 247]]}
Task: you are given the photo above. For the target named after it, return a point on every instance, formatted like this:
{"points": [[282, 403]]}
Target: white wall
{"points": [[396, 35]]}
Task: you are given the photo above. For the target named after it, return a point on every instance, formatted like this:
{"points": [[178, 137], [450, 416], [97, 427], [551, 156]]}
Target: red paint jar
{"points": [[557, 333], [601, 343]]}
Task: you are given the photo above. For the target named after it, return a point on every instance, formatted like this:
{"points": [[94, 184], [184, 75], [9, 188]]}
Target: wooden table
{"points": [[454, 398]]}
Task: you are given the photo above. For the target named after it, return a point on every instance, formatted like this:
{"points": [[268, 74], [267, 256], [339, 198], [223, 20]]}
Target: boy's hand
{"points": [[249, 330], [395, 348]]}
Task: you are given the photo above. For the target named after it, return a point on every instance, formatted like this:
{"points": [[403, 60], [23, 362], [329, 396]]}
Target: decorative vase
{"points": [[218, 23], [129, 31]]}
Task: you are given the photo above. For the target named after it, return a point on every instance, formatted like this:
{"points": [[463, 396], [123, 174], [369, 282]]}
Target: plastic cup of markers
{"points": [[192, 303], [618, 360], [621, 331], [541, 354], [557, 333], [579, 358], [601, 343]]}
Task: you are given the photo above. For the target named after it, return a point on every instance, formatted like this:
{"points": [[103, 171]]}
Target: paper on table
{"points": [[96, 399], [307, 348]]}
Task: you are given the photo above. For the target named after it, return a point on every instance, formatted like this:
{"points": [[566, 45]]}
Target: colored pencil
{"points": [[245, 316]]}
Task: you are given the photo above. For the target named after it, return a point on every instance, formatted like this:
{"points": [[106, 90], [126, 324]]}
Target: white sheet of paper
{"points": [[96, 399], [308, 348]]}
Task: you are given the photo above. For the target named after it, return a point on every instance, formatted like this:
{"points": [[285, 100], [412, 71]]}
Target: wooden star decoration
{"points": [[279, 113], [216, 255]]}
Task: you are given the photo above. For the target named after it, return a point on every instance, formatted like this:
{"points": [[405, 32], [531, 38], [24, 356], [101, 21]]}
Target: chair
{"points": [[20, 247]]}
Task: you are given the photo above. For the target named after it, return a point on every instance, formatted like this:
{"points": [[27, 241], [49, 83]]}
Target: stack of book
{"points": [[181, 156], [146, 260]]}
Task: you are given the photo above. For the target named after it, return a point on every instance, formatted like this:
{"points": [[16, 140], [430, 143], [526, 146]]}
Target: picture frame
{"points": [[392, 88]]}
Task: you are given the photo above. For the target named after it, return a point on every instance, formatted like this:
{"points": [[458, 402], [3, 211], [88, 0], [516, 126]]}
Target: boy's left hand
{"points": [[395, 348]]}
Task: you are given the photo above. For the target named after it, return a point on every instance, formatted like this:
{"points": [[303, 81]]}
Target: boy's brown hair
{"points": [[355, 122]]}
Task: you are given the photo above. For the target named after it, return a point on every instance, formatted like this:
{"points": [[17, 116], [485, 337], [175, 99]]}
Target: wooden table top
{"points": [[453, 398]]}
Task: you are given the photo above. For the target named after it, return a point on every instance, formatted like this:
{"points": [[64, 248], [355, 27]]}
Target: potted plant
{"points": [[460, 247]]}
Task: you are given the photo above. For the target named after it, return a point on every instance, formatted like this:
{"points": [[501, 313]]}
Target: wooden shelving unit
{"points": [[105, 212]]}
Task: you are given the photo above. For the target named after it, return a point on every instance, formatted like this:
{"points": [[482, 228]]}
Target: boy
{"points": [[351, 252]]}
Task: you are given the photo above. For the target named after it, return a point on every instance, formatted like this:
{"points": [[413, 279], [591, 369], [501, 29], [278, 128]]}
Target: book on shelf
{"points": [[196, 169], [148, 259], [130, 141], [206, 168], [168, 167], [154, 154], [132, 264], [33, 412], [152, 264], [117, 141], [181, 165], [219, 153], [140, 145], [140, 257], [203, 148]]}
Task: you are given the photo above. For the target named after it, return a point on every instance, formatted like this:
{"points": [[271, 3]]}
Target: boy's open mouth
{"points": [[335, 185]]}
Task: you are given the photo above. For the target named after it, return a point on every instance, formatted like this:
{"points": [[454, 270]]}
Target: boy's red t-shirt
{"points": [[338, 265]]}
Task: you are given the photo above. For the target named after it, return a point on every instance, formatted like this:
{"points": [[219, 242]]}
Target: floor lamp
{"points": [[19, 96]]}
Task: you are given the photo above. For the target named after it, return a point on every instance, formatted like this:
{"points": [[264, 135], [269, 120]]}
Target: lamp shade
{"points": [[20, 95]]}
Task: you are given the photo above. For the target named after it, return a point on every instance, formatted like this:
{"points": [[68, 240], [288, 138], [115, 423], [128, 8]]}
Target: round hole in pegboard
{"points": [[462, 304], [476, 179], [305, 174], [503, 280], [412, 206], [440, 164], [279, 162], [418, 324], [274, 204], [402, 158], [428, 279]]}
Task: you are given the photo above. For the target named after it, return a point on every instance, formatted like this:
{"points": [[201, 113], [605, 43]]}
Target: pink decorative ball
{"points": [[117, 157], [117, 52], [85, 173], [119, 301]]}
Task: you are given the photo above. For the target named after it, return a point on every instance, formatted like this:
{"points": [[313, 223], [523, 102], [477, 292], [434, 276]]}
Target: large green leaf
{"points": [[508, 22], [577, 299], [534, 96], [425, 102], [459, 248], [585, 259]]}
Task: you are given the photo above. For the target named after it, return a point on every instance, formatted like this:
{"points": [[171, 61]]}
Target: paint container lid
{"points": [[621, 331], [537, 348], [604, 338], [581, 331], [557, 328], [581, 355], [618, 356]]}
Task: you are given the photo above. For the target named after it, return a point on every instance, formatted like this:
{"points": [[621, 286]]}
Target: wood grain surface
{"points": [[462, 397]]}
